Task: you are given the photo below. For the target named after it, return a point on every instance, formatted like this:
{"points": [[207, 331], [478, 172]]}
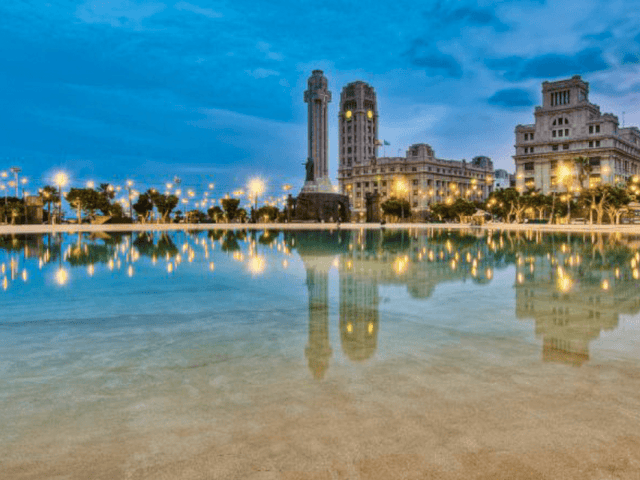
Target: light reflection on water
{"points": [[574, 286], [115, 336]]}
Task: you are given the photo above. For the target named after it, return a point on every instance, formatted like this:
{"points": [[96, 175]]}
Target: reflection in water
{"points": [[573, 286]]}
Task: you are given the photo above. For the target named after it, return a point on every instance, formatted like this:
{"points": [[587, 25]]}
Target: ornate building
{"points": [[425, 179], [567, 126], [358, 126]]}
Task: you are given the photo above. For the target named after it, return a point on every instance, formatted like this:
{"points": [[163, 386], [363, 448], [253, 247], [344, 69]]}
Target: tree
{"points": [[230, 206], [144, 206], [107, 193], [396, 207], [271, 213], [215, 213], [617, 203], [242, 214], [163, 203], [49, 195], [195, 216], [462, 208], [583, 165], [86, 199]]}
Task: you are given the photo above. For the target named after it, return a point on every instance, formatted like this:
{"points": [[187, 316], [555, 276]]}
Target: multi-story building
{"points": [[502, 179], [424, 179], [567, 126]]}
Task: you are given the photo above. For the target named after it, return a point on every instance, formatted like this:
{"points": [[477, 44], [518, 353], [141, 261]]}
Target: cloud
{"points": [[118, 13], [511, 98], [631, 58], [262, 73], [269, 54], [551, 65], [471, 16], [435, 62], [207, 12]]}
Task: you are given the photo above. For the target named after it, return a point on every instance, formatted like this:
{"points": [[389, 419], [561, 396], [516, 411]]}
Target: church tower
{"points": [[358, 126]]}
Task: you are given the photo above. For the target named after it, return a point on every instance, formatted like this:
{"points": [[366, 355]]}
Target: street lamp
{"points": [[401, 188], [256, 186], [61, 180], [16, 171], [129, 185]]}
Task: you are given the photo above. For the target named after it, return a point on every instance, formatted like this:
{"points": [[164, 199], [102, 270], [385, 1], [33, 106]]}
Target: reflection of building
{"points": [[567, 125], [358, 315], [571, 304], [425, 179]]}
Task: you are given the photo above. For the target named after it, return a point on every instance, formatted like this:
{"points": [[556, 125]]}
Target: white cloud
{"points": [[269, 54], [262, 73], [117, 13], [207, 12]]}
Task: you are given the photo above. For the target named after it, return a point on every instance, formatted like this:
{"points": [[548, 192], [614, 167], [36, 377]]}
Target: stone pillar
{"points": [[318, 96]]}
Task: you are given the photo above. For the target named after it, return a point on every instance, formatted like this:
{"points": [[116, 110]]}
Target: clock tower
{"points": [[358, 127]]}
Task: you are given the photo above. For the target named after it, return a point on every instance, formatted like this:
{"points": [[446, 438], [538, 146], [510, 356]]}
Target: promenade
{"points": [[139, 227]]}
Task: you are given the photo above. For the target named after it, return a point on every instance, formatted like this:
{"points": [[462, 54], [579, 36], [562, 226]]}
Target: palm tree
{"points": [[49, 195], [584, 169]]}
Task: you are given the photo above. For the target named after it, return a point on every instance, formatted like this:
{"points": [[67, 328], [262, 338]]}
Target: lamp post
{"points": [[16, 171], [256, 186], [401, 189], [61, 180]]}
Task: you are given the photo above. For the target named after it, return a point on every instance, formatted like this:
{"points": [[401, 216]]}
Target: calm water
{"points": [[317, 354]]}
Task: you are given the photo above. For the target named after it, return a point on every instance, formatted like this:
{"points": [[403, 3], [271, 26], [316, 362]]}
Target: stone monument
{"points": [[318, 200]]}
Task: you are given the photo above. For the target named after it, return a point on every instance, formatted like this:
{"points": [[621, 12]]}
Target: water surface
{"points": [[319, 354]]}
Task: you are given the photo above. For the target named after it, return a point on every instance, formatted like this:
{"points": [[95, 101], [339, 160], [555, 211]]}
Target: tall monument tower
{"points": [[317, 96]]}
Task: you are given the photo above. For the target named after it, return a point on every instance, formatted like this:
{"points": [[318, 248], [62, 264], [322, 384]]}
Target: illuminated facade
{"points": [[567, 126], [419, 177]]}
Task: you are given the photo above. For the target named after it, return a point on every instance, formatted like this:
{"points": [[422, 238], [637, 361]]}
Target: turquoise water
{"points": [[145, 350]]}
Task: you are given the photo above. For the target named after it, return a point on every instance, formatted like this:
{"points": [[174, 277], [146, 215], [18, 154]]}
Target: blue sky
{"points": [[213, 91]]}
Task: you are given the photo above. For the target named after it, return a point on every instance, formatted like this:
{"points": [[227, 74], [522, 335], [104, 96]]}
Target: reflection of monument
{"points": [[317, 200], [318, 350]]}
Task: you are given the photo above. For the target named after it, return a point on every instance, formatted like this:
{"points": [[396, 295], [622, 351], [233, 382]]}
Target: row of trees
{"points": [[89, 203]]}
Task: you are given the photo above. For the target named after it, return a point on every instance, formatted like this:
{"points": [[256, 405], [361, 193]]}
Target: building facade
{"points": [[567, 126], [502, 179], [423, 179]]}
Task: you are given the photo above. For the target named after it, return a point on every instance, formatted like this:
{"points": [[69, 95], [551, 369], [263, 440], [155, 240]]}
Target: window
{"points": [[597, 128], [553, 134], [594, 161], [526, 136], [414, 169], [415, 182], [349, 150], [531, 136], [384, 183], [553, 164], [366, 184], [590, 144], [358, 185], [349, 129], [590, 128], [528, 166], [566, 132], [531, 150], [358, 194], [559, 133], [554, 123], [554, 148], [565, 146], [597, 143], [349, 139]]}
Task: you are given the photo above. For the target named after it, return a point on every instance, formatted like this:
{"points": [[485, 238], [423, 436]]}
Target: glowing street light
{"points": [[256, 186], [60, 179]]}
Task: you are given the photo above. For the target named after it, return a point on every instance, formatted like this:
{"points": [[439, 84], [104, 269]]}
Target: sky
{"points": [[212, 91]]}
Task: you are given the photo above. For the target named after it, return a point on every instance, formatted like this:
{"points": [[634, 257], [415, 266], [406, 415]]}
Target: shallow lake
{"points": [[361, 354]]}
